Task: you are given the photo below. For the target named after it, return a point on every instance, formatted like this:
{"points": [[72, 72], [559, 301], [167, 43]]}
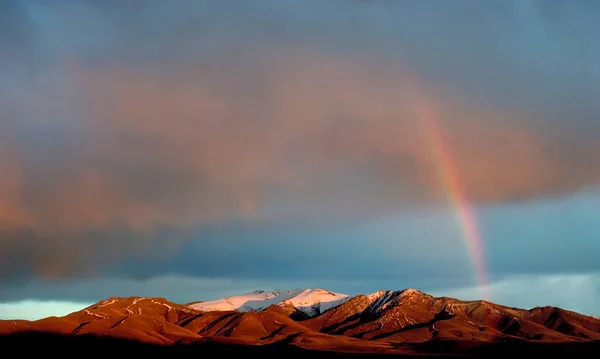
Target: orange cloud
{"points": [[303, 134]]}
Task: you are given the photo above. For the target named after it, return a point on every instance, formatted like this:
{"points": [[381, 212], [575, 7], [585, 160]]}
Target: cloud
{"points": [[136, 152], [422, 248], [129, 138]]}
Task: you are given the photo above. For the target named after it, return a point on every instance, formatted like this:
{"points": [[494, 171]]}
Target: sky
{"points": [[197, 149]]}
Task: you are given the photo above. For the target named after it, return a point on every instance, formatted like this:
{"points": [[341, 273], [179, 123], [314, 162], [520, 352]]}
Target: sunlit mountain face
{"points": [[314, 322], [193, 151]]}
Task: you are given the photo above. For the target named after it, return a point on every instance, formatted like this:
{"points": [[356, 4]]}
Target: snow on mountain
{"points": [[383, 299], [314, 301], [310, 301]]}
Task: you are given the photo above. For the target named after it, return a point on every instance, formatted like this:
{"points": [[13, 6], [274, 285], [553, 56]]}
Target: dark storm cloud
{"points": [[128, 128]]}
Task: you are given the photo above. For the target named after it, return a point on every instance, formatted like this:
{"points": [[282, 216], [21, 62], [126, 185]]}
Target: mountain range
{"points": [[403, 322]]}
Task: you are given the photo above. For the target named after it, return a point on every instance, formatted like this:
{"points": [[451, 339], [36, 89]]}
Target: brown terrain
{"points": [[406, 323]]}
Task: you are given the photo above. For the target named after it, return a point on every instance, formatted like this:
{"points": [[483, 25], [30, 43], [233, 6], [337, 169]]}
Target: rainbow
{"points": [[449, 174]]}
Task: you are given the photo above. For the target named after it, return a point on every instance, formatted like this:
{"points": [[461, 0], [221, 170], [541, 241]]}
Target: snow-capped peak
{"points": [[385, 299], [310, 301], [382, 299], [316, 300], [411, 292]]}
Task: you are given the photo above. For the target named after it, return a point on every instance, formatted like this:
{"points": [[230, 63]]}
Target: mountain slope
{"points": [[413, 316], [406, 321], [150, 320], [309, 301]]}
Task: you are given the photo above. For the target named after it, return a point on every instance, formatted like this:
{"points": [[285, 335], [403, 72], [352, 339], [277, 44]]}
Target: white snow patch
{"points": [[104, 303], [256, 300], [154, 301], [316, 300], [307, 300], [94, 314], [163, 304], [137, 300]]}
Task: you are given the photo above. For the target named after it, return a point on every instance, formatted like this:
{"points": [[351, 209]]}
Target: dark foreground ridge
{"points": [[87, 345], [78, 346]]}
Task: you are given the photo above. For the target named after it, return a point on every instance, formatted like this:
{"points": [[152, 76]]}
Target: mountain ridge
{"points": [[307, 300], [401, 322]]}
